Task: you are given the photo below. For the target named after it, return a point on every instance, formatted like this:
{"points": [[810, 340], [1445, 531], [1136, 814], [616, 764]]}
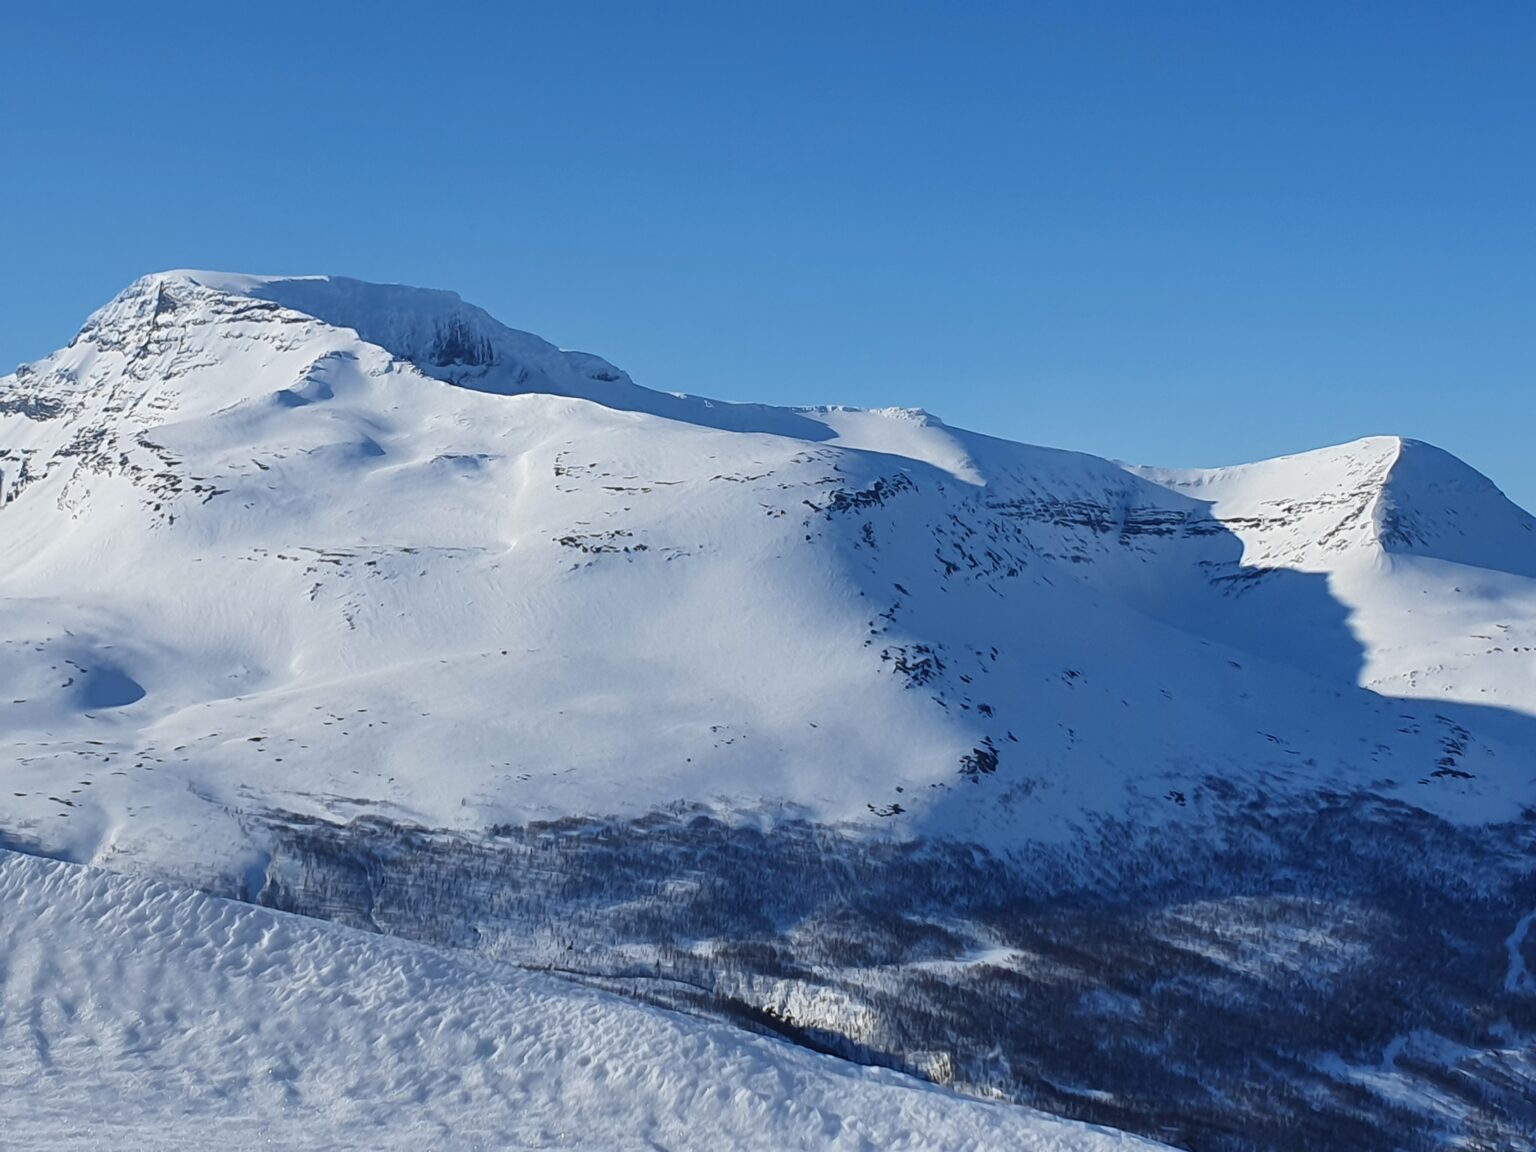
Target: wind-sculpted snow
{"points": [[307, 552], [137, 1016]]}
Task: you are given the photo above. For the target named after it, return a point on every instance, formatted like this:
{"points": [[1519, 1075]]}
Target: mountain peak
{"points": [[1378, 496], [432, 328]]}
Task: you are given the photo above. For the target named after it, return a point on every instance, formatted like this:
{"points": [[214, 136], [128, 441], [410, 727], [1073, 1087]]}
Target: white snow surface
{"points": [[343, 549], [135, 1015]]}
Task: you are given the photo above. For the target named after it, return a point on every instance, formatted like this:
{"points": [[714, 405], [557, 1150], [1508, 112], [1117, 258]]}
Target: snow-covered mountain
{"points": [[293, 554], [341, 548]]}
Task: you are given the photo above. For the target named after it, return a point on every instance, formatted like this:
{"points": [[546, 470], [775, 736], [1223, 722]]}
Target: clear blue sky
{"points": [[1168, 232]]}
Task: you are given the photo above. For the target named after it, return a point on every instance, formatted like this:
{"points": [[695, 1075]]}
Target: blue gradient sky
{"points": [[1171, 233]]}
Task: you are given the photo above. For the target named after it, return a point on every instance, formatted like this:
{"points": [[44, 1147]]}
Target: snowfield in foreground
{"points": [[136, 1015]]}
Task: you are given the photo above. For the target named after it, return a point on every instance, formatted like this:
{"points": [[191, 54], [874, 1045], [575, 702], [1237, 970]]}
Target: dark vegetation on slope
{"points": [[1329, 978]]}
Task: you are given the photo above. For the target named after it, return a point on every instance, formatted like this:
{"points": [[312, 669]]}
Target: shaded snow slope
{"points": [[1432, 561], [342, 550], [136, 1016]]}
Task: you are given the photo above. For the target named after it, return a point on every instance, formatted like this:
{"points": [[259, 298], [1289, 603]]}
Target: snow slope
{"points": [[137, 1016], [1432, 562], [336, 549]]}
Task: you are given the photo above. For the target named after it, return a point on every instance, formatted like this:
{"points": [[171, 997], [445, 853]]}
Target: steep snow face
{"points": [[1384, 496], [313, 1036], [1432, 561], [1436, 507], [434, 330], [344, 550], [1306, 512]]}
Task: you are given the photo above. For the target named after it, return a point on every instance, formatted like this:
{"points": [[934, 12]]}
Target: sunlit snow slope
{"points": [[338, 549], [137, 1016]]}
